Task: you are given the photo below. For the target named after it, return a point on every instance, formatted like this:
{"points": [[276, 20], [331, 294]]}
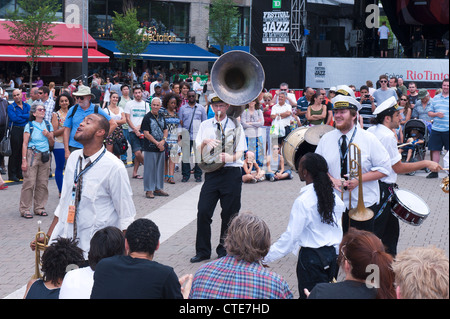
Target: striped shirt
{"points": [[49, 107], [440, 104], [228, 278]]}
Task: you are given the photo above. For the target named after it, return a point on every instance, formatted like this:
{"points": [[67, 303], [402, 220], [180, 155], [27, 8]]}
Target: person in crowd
{"points": [[325, 101], [106, 242], [136, 275], [247, 243], [282, 112], [334, 147], [191, 116], [124, 98], [38, 83], [62, 104], [275, 165], [413, 94], [405, 114], [303, 103], [96, 189], [117, 114], [49, 103], [360, 254], [402, 86], [251, 171], [314, 225], [439, 137], [36, 157], [76, 115], [106, 97], [383, 34], [289, 96], [3, 130], [317, 111], [155, 136], [57, 257], [267, 111], [252, 120], [393, 85], [384, 92], [18, 114], [417, 39], [171, 102], [135, 110], [116, 87], [198, 88], [387, 226], [185, 88], [34, 95], [367, 106], [73, 86], [224, 183], [422, 107], [421, 273]]}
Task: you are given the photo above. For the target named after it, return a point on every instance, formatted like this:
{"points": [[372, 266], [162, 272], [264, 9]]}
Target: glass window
{"points": [[11, 5]]}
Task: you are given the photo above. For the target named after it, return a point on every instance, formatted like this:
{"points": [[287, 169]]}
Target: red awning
{"points": [[56, 54]]}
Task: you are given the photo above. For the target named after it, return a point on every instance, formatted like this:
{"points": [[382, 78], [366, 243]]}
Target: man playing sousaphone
{"points": [[221, 142]]}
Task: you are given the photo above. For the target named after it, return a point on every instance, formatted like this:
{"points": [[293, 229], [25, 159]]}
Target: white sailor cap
{"points": [[214, 98], [345, 90], [341, 102], [390, 103]]}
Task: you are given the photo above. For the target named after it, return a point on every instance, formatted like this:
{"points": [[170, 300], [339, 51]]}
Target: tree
{"points": [[32, 25], [129, 41], [224, 17]]}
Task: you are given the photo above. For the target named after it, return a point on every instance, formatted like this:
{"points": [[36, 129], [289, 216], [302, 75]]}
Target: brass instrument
{"points": [[444, 184], [360, 213], [39, 246], [237, 78]]}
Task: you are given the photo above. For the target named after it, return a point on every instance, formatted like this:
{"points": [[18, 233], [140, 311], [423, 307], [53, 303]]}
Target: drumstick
{"points": [[403, 145], [445, 169]]}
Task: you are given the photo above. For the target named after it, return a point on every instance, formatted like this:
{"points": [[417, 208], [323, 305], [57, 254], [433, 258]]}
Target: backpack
{"points": [[76, 107]]}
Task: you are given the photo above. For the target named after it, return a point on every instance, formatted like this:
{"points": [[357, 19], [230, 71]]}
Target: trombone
{"points": [[360, 213], [40, 245]]}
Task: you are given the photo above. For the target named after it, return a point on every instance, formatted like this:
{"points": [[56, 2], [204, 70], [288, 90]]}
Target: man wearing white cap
{"points": [[387, 227], [375, 164]]}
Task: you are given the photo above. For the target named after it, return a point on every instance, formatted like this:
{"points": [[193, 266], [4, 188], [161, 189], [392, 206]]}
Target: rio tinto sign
{"points": [[328, 72]]}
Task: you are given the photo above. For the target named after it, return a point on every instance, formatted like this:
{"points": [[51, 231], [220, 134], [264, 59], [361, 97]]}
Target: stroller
{"points": [[418, 150]]}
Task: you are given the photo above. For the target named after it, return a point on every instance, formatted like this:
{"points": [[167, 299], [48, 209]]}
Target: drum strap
{"points": [[388, 199]]}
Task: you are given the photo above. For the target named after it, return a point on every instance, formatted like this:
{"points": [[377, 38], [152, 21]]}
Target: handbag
{"points": [[277, 128], [120, 146], [5, 144]]}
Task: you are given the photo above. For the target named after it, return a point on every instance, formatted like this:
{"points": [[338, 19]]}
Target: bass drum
{"points": [[301, 141]]}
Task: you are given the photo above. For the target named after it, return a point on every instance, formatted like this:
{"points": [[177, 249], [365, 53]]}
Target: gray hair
{"points": [[33, 108]]}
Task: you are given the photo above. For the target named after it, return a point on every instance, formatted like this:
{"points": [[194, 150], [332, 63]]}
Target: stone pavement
{"points": [[176, 217]]}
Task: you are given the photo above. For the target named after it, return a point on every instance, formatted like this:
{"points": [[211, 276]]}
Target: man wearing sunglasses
{"points": [[76, 115], [384, 92]]}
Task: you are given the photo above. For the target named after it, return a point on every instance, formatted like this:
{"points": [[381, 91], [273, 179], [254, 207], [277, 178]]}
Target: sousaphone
{"points": [[237, 78]]}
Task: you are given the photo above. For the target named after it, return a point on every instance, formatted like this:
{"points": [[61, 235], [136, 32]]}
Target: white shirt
{"points": [[305, 228], [278, 109], [106, 198], [208, 130], [387, 138], [374, 157], [77, 284], [137, 111]]}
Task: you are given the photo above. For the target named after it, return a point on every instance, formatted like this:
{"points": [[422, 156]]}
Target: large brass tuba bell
{"points": [[237, 77]]}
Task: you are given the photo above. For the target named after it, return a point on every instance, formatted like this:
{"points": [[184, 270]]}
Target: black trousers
{"points": [[15, 160], [387, 226], [314, 266], [2, 134], [223, 185], [186, 165], [368, 225]]}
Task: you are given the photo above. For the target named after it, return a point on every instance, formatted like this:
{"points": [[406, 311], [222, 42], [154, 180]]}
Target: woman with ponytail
{"points": [[367, 267], [314, 225]]}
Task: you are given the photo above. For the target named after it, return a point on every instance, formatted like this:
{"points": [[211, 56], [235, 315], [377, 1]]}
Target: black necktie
{"points": [[343, 156]]}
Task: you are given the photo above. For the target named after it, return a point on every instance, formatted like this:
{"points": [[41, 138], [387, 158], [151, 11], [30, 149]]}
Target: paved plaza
{"points": [[176, 217]]}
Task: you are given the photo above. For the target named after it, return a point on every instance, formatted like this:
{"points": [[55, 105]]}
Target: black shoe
{"points": [[433, 175], [198, 258], [198, 179], [184, 179], [14, 179]]}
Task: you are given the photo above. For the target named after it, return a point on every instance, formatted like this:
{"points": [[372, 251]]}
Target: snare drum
{"points": [[409, 207]]}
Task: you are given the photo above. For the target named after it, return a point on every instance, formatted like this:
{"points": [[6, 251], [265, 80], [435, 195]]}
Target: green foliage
{"points": [[32, 25], [224, 18], [128, 39]]}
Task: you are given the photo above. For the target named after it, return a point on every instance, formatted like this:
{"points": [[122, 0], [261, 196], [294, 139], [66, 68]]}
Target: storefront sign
{"points": [[328, 72], [276, 27], [152, 35]]}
